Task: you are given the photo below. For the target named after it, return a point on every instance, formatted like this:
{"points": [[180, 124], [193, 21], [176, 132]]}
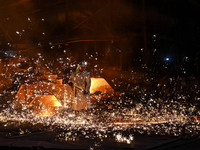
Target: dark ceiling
{"points": [[133, 24]]}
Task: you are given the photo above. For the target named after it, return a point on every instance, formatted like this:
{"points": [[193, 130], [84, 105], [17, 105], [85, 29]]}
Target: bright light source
{"points": [[167, 59], [83, 64]]}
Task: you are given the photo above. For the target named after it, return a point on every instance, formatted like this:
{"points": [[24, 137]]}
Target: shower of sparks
{"points": [[121, 123], [162, 110]]}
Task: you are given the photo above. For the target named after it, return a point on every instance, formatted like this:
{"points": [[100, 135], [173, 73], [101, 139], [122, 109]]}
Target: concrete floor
{"points": [[43, 140]]}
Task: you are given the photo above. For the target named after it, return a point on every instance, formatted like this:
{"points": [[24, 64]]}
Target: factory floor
{"points": [[42, 140]]}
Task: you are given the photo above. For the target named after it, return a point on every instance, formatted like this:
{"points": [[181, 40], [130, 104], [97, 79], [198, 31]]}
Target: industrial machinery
{"points": [[48, 95]]}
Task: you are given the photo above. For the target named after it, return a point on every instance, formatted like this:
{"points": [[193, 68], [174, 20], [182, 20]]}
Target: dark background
{"points": [[123, 34]]}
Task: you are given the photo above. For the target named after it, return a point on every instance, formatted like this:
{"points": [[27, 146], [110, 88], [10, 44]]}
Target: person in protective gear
{"points": [[80, 82]]}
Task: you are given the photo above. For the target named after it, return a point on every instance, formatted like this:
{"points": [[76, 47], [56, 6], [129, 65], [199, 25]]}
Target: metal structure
{"points": [[47, 98]]}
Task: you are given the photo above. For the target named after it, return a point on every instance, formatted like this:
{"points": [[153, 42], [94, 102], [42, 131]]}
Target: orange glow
{"points": [[100, 84], [44, 113], [45, 100], [46, 95], [123, 123], [45, 105], [196, 118]]}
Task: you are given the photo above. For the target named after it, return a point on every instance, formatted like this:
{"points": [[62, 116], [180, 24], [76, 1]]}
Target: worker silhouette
{"points": [[80, 82]]}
